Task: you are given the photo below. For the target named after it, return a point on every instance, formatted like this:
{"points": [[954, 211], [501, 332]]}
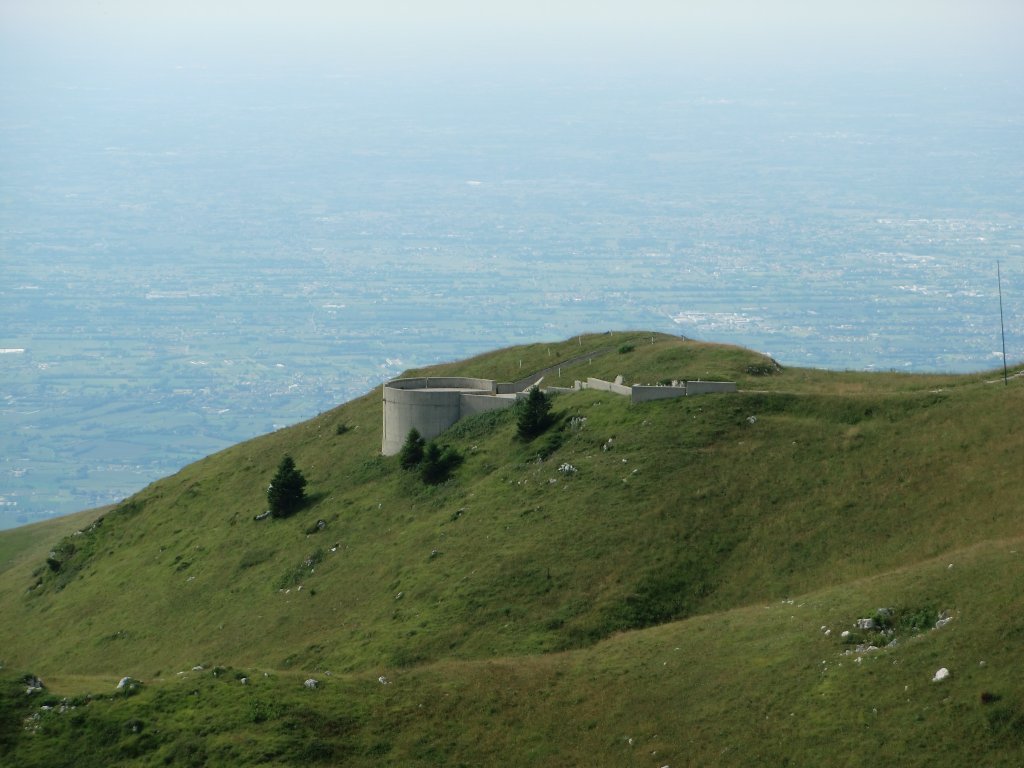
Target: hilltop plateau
{"points": [[769, 577]]}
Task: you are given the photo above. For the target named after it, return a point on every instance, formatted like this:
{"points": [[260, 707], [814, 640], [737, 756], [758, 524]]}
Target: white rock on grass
{"points": [[311, 683], [941, 675]]}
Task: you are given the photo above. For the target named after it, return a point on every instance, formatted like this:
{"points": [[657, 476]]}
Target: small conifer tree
{"points": [[535, 416], [412, 450], [287, 491], [432, 470], [438, 463]]}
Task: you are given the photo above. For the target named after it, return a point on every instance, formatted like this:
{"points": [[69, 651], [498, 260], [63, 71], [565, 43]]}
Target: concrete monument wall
{"points": [[431, 405], [709, 387], [607, 386], [645, 394]]}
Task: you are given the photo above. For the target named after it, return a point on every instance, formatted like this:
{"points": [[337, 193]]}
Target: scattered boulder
{"points": [[941, 675], [33, 684], [128, 684], [866, 624], [383, 680], [262, 515], [312, 683]]}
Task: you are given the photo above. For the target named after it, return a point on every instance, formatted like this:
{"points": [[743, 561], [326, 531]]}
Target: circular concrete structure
{"points": [[432, 404]]}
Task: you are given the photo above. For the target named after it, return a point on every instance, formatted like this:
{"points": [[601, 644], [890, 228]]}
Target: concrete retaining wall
{"points": [[522, 385], [607, 386], [471, 405], [645, 394], [709, 387], [641, 393]]}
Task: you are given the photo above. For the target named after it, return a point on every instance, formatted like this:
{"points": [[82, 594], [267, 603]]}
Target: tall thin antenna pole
{"points": [[1002, 327]]}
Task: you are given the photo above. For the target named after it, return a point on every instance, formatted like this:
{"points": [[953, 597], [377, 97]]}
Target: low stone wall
{"points": [[508, 388], [471, 405], [645, 394], [608, 386], [709, 387]]}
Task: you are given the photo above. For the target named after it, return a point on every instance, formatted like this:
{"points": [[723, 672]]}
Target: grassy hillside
{"points": [[661, 603]]}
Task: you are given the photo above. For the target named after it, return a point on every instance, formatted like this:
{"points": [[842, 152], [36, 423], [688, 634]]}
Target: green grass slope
{"points": [[661, 603]]}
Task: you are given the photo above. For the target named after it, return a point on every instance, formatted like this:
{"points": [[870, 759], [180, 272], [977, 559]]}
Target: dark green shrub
{"points": [[412, 450], [764, 369], [916, 619], [534, 416], [287, 491], [438, 463]]}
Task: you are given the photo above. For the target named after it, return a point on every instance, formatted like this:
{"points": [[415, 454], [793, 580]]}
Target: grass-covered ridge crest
{"points": [[682, 554]]}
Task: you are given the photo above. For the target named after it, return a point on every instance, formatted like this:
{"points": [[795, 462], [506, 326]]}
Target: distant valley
{"points": [[178, 288]]}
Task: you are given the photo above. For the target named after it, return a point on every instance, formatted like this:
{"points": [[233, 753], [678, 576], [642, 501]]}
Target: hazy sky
{"points": [[642, 34]]}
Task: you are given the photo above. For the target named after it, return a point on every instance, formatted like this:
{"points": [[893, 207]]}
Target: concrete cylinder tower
{"points": [[430, 405]]}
